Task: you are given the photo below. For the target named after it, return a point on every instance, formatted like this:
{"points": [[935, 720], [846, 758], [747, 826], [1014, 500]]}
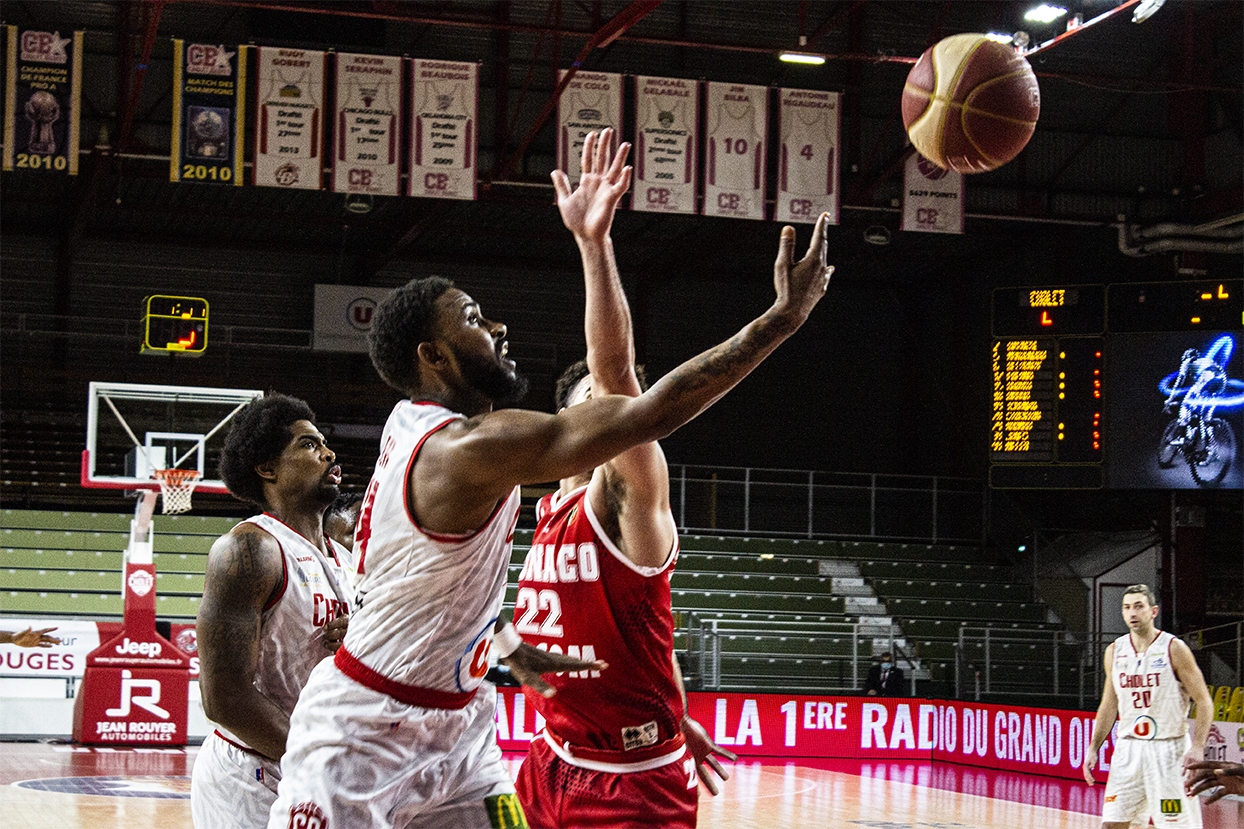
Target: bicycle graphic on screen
{"points": [[1197, 394]]}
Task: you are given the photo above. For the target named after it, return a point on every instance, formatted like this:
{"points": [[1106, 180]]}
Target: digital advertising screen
{"points": [[1175, 415]]}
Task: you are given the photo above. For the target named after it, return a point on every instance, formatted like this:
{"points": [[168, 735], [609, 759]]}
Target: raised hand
{"points": [[588, 210], [800, 285], [703, 748], [528, 663]]}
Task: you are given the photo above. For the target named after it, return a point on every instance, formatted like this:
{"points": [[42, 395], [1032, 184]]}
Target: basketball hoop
{"points": [[176, 488]]}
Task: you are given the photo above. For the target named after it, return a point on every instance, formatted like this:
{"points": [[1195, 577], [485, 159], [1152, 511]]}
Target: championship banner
{"points": [[343, 316], [808, 157], [369, 102], [667, 114], [591, 101], [44, 88], [734, 176], [932, 197], [289, 118], [209, 109], [444, 133]]}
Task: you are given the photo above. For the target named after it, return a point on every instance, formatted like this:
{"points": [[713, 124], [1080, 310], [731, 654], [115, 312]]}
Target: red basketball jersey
{"points": [[579, 595]]}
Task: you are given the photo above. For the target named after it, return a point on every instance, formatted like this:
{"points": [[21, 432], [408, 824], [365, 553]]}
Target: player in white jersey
{"points": [[1150, 676], [394, 732], [275, 600]]}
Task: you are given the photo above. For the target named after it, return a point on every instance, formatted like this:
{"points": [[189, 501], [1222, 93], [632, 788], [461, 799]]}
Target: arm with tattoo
{"points": [[243, 573], [471, 464]]}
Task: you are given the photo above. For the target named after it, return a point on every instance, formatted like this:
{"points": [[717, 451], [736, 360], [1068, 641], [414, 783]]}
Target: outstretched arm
{"points": [[629, 493], [243, 572], [466, 467], [29, 638]]}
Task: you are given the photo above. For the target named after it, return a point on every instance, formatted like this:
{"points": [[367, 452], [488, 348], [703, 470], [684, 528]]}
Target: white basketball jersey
{"points": [[314, 591], [1153, 704], [806, 166], [734, 148], [426, 602]]}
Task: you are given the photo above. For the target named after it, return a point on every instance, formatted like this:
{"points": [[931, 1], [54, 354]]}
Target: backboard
{"points": [[134, 428]]}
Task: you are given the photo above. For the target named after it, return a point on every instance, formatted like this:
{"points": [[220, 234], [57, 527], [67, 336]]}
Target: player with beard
{"points": [[392, 731], [275, 600]]}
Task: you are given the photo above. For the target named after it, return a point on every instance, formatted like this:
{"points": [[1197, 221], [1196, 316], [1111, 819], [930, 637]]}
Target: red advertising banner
{"points": [[1014, 738]]}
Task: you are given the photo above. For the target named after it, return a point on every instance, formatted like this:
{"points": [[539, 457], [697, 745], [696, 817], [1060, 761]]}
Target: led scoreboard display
{"points": [[1081, 392], [176, 324]]}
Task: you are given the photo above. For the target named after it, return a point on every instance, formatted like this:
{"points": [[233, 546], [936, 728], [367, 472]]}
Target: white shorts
{"points": [[231, 788], [358, 758], [1147, 781]]}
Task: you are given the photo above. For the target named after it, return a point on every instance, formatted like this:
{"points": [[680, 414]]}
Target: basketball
{"points": [[970, 104]]}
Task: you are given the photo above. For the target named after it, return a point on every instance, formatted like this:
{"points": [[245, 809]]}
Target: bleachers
{"points": [[68, 564]]}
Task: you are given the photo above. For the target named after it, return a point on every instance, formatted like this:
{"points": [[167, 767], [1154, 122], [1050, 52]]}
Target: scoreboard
{"points": [[1051, 372]]}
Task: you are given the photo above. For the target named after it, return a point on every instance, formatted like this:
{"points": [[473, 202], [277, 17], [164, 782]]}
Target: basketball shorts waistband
{"points": [[618, 762], [349, 665]]}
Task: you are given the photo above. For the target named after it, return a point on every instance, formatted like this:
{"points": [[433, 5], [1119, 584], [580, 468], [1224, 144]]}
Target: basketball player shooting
{"points": [[392, 731], [615, 749], [1150, 676]]}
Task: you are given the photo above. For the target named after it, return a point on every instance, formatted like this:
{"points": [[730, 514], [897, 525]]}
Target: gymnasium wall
{"points": [[890, 374]]}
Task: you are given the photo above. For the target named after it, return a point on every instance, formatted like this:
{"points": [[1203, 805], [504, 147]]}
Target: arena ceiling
{"points": [[1139, 121]]}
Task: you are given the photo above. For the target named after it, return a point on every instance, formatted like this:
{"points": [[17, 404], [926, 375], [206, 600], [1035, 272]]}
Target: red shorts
{"points": [[558, 795]]}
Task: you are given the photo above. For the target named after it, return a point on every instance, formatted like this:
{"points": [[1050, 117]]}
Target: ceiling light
{"points": [[1145, 10], [1044, 13], [999, 37], [802, 57]]}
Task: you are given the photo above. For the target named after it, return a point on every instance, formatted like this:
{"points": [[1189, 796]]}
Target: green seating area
{"points": [[69, 563]]}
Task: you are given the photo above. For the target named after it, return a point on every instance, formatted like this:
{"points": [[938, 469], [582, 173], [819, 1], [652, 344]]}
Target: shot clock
{"points": [[174, 324]]}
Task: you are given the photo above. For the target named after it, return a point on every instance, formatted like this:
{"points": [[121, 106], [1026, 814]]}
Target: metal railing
{"points": [[990, 662], [1219, 650], [806, 504], [766, 639]]}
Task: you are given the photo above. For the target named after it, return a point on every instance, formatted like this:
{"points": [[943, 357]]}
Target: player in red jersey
{"points": [[618, 748]]}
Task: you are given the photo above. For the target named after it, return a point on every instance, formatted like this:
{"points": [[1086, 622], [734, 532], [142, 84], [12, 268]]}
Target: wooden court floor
{"points": [[48, 786]]}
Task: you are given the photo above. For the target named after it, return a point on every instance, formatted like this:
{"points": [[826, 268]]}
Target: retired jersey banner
{"points": [[289, 118], [42, 100], [369, 107], [591, 101], [932, 197], [808, 155], [667, 114], [444, 134], [734, 169], [209, 109]]}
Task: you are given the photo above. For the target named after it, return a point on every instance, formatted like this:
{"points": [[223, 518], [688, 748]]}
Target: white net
{"points": [[176, 489]]}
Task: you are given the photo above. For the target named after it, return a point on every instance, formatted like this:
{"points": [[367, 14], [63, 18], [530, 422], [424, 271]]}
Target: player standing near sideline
{"points": [[392, 732], [274, 603], [1150, 676], [596, 581]]}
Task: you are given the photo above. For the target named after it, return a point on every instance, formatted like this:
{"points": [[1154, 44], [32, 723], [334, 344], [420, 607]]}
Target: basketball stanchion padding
{"points": [[176, 488]]}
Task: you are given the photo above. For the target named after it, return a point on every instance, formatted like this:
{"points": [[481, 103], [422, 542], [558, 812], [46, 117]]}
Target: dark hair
{"points": [[1142, 590], [575, 372], [259, 433], [403, 320]]}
